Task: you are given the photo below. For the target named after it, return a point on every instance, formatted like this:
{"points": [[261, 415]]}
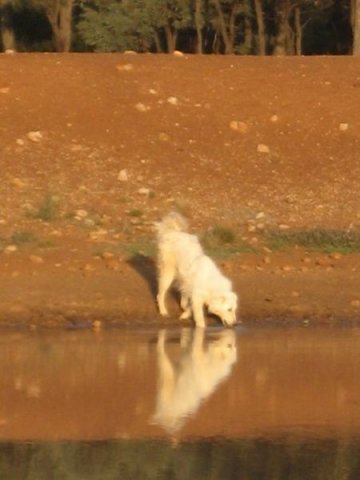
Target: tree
{"points": [[261, 39], [355, 17], [8, 39], [59, 14]]}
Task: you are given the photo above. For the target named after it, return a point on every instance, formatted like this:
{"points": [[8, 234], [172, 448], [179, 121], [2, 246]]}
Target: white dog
{"points": [[200, 282], [186, 381]]}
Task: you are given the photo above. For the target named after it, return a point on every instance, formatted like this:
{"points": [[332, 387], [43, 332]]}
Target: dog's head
{"points": [[224, 306]]}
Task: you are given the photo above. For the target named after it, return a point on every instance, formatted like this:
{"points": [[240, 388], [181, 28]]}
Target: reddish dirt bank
{"points": [[94, 148]]}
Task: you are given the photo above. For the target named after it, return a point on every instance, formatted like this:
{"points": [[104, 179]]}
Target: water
{"points": [[247, 404]]}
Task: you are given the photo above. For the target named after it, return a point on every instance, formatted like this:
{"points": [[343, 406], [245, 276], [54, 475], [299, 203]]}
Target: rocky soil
{"points": [[95, 147]]}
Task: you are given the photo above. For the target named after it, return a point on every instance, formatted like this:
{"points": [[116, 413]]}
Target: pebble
{"points": [[10, 249], [144, 191], [355, 303], [274, 118], [35, 136], [5, 90], [262, 148], [238, 126], [140, 107], [123, 175], [127, 67], [36, 259], [173, 101], [177, 53], [81, 213], [335, 256], [18, 183], [343, 127]]}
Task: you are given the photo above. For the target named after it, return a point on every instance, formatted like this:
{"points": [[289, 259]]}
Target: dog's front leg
{"points": [[198, 311], [185, 306]]}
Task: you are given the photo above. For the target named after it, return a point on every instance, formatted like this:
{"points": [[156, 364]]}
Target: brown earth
{"points": [[94, 148]]}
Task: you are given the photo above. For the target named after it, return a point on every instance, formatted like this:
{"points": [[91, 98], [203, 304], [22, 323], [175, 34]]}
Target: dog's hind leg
{"points": [[185, 306], [166, 278]]}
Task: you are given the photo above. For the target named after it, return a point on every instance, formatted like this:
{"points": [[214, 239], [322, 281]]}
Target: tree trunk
{"points": [[248, 35], [60, 18], [261, 40], [198, 26], [7, 30], [282, 37], [171, 38], [157, 42], [356, 26], [298, 32], [223, 30]]}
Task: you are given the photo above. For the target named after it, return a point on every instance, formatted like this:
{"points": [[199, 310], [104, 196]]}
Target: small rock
{"points": [[306, 260], [335, 256], [355, 303], [260, 215], [287, 268], [343, 127], [267, 260], [238, 126], [172, 100], [10, 249], [164, 137], [321, 262], [81, 213], [18, 183], [283, 226], [274, 118], [36, 259], [262, 148], [107, 255], [123, 175], [127, 67], [144, 191], [140, 107], [20, 142], [5, 90], [35, 136], [177, 53]]}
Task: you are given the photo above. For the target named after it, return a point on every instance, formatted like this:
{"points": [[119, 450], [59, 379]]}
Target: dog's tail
{"points": [[172, 222]]}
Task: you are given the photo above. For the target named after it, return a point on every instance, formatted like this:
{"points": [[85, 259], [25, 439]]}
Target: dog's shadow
{"points": [[146, 268]]}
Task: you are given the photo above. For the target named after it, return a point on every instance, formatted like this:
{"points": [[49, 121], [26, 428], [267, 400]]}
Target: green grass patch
{"points": [[221, 242], [47, 210], [23, 238], [327, 241], [145, 248], [135, 212]]}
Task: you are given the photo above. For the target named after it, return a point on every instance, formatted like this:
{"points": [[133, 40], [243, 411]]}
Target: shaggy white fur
{"points": [[181, 259]]}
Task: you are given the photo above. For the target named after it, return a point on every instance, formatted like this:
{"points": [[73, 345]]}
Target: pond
{"points": [[246, 403]]}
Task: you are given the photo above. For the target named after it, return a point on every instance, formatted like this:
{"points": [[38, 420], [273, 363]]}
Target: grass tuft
{"points": [[327, 241]]}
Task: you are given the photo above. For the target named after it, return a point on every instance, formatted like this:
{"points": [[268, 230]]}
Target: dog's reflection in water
{"points": [[184, 384]]}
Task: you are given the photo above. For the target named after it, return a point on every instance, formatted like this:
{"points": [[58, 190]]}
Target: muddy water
{"points": [[182, 404]]}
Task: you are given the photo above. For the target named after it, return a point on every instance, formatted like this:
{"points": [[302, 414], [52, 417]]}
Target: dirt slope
{"points": [[96, 147]]}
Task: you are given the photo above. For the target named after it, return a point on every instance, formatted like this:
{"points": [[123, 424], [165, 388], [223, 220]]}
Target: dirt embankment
{"points": [[96, 147]]}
